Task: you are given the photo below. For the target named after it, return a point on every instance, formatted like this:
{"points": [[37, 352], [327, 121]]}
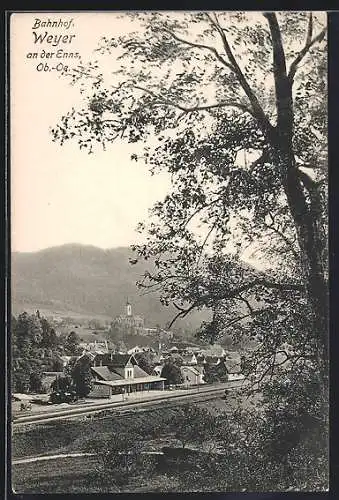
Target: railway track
{"points": [[124, 407]]}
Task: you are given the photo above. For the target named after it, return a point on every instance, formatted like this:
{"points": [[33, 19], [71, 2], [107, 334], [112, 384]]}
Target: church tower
{"points": [[128, 309]]}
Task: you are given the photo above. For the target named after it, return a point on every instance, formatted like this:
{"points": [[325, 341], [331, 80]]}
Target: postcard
{"points": [[169, 260]]}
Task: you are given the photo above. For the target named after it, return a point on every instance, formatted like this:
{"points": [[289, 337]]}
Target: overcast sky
{"points": [[60, 194]]}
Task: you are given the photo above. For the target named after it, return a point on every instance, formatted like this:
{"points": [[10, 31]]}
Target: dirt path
{"points": [[50, 457], [67, 455]]}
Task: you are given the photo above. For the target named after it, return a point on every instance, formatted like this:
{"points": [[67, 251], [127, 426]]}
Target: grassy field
{"points": [[77, 475], [72, 475], [71, 435]]}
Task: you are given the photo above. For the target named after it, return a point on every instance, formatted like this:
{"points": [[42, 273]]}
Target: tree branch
{"points": [[200, 46], [283, 88], [231, 294], [308, 44], [246, 302], [207, 107], [182, 313], [257, 109], [204, 243], [252, 313], [284, 238]]}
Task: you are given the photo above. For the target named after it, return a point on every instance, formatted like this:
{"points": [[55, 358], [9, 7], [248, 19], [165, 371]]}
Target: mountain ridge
{"points": [[88, 280]]}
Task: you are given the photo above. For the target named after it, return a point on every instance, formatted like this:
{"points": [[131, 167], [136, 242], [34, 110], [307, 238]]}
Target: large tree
{"points": [[82, 375], [172, 373], [26, 363], [231, 105], [72, 344]]}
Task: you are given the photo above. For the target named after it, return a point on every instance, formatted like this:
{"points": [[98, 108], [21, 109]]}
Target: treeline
{"points": [[36, 348]]}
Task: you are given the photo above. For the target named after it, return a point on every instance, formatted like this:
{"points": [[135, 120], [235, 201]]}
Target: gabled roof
{"points": [[121, 360], [136, 348], [139, 372], [158, 368], [105, 373], [120, 370], [115, 359], [188, 357], [89, 354], [197, 370]]}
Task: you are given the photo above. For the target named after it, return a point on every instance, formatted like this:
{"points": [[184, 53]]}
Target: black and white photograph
{"points": [[168, 327]]}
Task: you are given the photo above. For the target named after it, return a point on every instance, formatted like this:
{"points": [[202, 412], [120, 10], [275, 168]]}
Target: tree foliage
{"points": [[63, 390], [235, 102], [171, 372], [215, 373], [119, 455], [82, 376], [34, 346], [146, 360], [232, 106], [72, 344], [194, 425]]}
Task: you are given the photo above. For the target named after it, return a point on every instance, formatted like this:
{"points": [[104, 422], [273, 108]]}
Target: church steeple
{"points": [[128, 308]]}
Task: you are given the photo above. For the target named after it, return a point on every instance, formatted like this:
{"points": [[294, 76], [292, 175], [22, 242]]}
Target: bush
{"points": [[120, 457], [62, 397]]}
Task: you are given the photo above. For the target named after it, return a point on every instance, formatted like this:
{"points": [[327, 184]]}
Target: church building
{"points": [[130, 323]]}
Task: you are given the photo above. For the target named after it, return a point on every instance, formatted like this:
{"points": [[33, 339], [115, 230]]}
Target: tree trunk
{"points": [[305, 208], [303, 200], [311, 250]]}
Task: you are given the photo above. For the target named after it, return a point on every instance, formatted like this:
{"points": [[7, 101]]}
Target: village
{"points": [[116, 372]]}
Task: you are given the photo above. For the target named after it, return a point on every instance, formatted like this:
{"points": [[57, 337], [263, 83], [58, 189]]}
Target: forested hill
{"points": [[85, 280]]}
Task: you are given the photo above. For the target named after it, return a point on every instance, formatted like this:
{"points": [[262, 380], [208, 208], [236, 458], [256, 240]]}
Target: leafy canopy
{"points": [[231, 106]]}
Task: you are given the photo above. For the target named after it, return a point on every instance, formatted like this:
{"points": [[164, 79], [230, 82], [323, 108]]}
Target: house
{"points": [[192, 375], [137, 349], [214, 350], [99, 347], [200, 358], [89, 354], [189, 359], [121, 373]]}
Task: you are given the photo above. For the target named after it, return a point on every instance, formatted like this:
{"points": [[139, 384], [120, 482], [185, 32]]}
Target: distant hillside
{"points": [[86, 281]]}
